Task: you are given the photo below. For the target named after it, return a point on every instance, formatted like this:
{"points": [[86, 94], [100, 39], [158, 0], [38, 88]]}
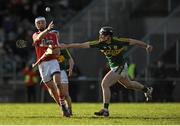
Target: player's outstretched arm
{"points": [[141, 44], [75, 45]]}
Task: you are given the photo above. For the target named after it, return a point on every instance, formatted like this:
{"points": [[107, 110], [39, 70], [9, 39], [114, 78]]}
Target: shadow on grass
{"points": [[31, 117], [123, 117], [93, 117]]}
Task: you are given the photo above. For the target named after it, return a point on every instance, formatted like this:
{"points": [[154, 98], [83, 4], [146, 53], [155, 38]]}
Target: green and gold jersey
{"points": [[63, 59], [114, 51]]}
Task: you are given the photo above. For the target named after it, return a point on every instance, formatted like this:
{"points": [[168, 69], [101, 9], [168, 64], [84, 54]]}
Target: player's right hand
{"points": [[50, 26]]}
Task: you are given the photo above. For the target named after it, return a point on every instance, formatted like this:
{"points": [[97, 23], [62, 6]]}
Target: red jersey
{"points": [[49, 39]]}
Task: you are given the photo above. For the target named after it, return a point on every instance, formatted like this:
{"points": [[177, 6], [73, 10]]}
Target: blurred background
{"points": [[156, 22]]}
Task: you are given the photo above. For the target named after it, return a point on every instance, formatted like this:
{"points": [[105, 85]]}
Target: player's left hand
{"points": [[50, 26], [69, 72], [149, 48]]}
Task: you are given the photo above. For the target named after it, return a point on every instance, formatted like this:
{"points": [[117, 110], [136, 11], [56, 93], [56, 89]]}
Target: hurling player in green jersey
{"points": [[65, 59], [62, 58], [114, 49]]}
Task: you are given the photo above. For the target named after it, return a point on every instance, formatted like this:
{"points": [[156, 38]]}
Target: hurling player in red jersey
{"points": [[49, 67]]}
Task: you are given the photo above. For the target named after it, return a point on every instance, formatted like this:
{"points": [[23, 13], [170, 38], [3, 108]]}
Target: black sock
{"points": [[106, 105], [145, 89]]}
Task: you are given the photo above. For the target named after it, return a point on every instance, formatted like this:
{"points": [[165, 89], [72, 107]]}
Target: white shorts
{"points": [[64, 77], [47, 69], [121, 70]]}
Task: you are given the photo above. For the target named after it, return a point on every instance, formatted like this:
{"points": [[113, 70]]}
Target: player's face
{"points": [[41, 25], [104, 37]]}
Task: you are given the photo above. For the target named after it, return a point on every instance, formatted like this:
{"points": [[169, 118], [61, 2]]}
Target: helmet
{"points": [[40, 19], [106, 31]]}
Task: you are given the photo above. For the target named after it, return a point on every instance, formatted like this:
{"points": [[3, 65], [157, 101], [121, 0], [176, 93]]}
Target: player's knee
{"points": [[129, 86], [104, 85]]}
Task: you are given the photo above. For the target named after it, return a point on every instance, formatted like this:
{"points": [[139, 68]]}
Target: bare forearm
{"points": [[142, 44], [138, 43], [75, 45], [42, 34]]}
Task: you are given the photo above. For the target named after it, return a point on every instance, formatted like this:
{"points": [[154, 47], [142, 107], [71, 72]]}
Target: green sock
{"points": [[106, 105]]}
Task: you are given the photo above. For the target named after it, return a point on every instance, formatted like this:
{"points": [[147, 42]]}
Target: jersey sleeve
{"points": [[94, 44]]}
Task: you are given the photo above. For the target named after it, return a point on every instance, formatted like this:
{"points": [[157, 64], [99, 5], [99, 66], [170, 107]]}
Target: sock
{"points": [[70, 109], [106, 105], [145, 89], [62, 102]]}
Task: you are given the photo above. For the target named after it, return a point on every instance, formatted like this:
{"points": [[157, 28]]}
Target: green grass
{"points": [[120, 114]]}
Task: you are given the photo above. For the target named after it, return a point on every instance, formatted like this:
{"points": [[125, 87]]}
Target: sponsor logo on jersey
{"points": [[46, 42], [113, 52]]}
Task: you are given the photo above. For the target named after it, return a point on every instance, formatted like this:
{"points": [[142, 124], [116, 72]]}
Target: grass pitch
{"points": [[120, 114]]}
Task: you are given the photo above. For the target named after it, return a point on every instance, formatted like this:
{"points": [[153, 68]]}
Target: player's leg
{"points": [[48, 88], [53, 91], [110, 78], [67, 96], [65, 84], [50, 73], [44, 69], [127, 83], [57, 81], [134, 85]]}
